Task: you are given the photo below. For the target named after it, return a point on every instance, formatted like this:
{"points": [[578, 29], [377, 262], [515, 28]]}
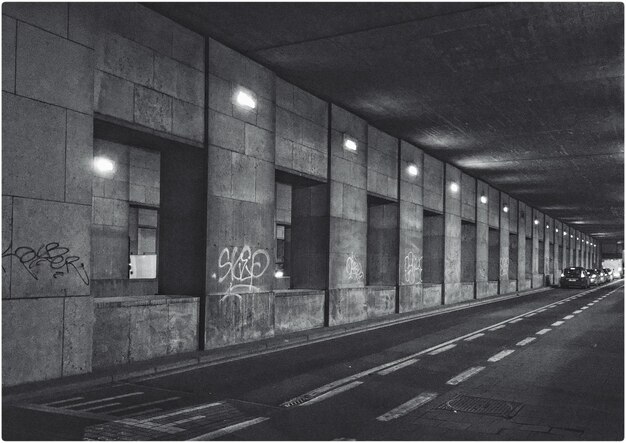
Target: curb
{"points": [[201, 359]]}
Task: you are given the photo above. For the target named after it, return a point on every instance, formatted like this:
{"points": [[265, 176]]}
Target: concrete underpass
{"points": [[314, 221]]}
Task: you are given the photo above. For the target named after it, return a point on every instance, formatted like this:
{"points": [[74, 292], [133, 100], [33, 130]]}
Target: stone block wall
{"points": [[149, 70], [411, 229], [47, 129], [382, 164]]}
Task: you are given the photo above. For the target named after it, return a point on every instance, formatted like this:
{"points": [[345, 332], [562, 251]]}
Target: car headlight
{"points": [[562, 274]]}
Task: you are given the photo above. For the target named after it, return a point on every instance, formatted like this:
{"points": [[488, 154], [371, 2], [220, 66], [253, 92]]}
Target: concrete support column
{"points": [[348, 219], [558, 254], [482, 239], [452, 239], [411, 228], [504, 244], [522, 215], [548, 255], [240, 201]]}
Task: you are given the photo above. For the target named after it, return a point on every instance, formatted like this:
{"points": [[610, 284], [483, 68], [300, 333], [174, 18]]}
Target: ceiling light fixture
{"points": [[245, 99], [349, 143], [103, 165]]}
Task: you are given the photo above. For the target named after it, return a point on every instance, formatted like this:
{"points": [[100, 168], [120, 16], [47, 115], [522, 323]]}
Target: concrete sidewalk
{"points": [[199, 359]]}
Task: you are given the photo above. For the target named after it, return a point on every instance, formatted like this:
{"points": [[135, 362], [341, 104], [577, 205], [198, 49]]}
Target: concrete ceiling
{"points": [[527, 96]]}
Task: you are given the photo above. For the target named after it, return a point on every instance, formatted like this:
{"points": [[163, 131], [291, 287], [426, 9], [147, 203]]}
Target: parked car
{"points": [[609, 274], [574, 278], [594, 277]]}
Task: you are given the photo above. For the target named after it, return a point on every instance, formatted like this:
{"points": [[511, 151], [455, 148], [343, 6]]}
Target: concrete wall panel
{"points": [[9, 32], [298, 311]]}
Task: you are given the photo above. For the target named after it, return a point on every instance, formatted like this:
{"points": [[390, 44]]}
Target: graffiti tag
{"points": [[354, 270], [55, 256], [241, 267], [412, 268]]}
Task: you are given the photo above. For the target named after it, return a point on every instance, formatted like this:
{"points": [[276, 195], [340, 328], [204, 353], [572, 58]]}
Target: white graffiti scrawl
{"points": [[354, 270], [412, 268], [240, 268]]}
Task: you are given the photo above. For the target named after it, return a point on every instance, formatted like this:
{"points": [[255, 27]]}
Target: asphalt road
{"points": [[547, 366]]}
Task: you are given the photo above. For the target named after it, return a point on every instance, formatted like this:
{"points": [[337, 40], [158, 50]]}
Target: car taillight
{"points": [[582, 274], [562, 274]]}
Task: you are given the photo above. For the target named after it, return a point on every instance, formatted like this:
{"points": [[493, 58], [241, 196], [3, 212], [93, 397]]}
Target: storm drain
{"points": [[483, 406], [297, 401]]}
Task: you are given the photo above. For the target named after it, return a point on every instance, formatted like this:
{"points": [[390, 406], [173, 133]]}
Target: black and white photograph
{"points": [[312, 221]]}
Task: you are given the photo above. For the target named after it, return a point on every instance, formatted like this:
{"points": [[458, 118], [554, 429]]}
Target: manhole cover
{"points": [[483, 406]]}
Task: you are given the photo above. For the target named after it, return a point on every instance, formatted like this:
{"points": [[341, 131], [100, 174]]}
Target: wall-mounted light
{"points": [[577, 238], [103, 165], [483, 199], [278, 274], [556, 229], [565, 233], [536, 221], [412, 170], [454, 187], [505, 208], [349, 144], [245, 99], [571, 236], [547, 226]]}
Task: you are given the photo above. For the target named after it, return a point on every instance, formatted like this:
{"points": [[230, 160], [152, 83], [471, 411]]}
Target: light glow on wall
{"points": [[245, 99], [349, 143], [103, 165], [412, 170]]}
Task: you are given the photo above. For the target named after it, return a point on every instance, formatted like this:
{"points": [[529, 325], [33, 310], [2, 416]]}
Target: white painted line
{"points": [[557, 323], [516, 320], [542, 310], [526, 341], [108, 405], [553, 306], [407, 407], [62, 401], [141, 405], [362, 374], [500, 355], [444, 349], [543, 331], [229, 429], [332, 393], [185, 420], [474, 337], [578, 311], [396, 367], [182, 411], [584, 307], [589, 304], [568, 317], [85, 403], [148, 411], [496, 328], [465, 375]]}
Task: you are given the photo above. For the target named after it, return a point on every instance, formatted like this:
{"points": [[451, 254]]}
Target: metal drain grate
{"points": [[483, 406], [297, 401]]}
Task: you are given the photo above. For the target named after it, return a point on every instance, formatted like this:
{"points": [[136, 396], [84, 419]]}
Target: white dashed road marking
{"points": [[557, 323], [526, 341], [332, 393], [516, 320], [543, 331], [568, 317], [465, 375], [474, 337], [396, 367], [444, 349], [230, 429], [85, 403], [407, 407], [500, 355], [578, 311], [497, 327]]}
